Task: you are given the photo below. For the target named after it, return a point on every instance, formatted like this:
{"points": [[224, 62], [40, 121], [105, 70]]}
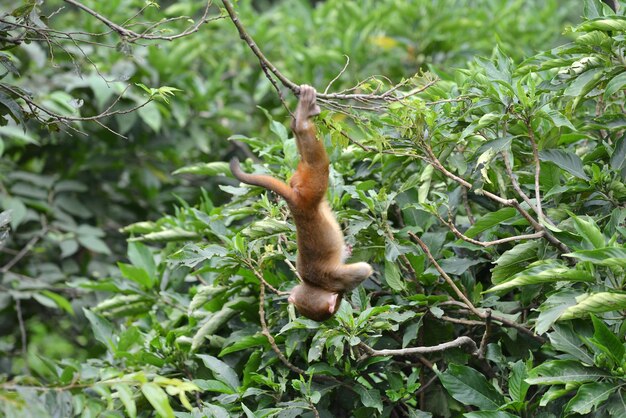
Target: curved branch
{"points": [[457, 343]]}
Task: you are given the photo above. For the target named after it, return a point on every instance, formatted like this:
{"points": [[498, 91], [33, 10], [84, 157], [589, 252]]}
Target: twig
{"points": [[132, 36], [29, 246], [20, 321], [533, 143], [485, 244], [459, 342], [343, 70], [485, 339], [269, 336], [445, 276]]}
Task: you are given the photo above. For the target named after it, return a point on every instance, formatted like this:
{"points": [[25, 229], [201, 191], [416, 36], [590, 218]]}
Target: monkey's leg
{"points": [[353, 274]]}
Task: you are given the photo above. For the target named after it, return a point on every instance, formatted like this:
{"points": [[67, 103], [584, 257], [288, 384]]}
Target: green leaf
{"points": [[610, 343], [392, 276], [126, 396], [589, 231], [369, 397], [68, 247], [221, 370], [608, 256], [566, 160], [589, 396], [158, 399], [94, 244], [136, 274], [549, 272], [605, 23], [517, 385], [560, 372], [514, 260], [566, 340], [469, 387], [141, 256], [553, 307], [614, 85], [60, 301], [102, 329], [255, 341], [595, 303], [151, 115], [618, 158], [206, 169], [211, 385], [490, 220]]}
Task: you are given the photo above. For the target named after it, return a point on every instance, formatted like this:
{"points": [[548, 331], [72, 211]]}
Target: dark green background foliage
{"points": [[131, 262]]}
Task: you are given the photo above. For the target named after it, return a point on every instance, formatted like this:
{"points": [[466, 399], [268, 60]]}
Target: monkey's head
{"points": [[314, 302]]}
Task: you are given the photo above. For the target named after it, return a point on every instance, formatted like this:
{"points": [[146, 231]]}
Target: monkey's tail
{"points": [[265, 181]]}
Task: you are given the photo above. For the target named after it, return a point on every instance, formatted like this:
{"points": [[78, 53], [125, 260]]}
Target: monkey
{"points": [[322, 252]]}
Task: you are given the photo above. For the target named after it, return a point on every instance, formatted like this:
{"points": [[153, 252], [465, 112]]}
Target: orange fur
{"points": [[321, 247]]}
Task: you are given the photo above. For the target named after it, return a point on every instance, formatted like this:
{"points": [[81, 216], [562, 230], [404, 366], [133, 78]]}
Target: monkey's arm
{"points": [[311, 149], [267, 182]]}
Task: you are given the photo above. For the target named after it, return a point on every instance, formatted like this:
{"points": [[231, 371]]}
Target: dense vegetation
{"points": [[137, 278]]}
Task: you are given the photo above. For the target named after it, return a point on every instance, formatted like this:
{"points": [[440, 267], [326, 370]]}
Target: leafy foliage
{"points": [[505, 179]]}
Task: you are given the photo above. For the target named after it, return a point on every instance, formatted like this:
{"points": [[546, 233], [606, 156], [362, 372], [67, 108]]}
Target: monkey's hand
{"points": [[307, 106]]}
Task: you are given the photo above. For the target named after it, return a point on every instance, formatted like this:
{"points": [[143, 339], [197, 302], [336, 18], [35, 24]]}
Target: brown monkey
{"points": [[321, 248]]}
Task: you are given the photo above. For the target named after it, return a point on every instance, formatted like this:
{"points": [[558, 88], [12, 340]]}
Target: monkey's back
{"points": [[321, 246]]}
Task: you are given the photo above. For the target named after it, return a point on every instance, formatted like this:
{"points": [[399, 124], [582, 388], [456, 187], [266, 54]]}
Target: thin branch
{"points": [[459, 342], [20, 321], [486, 334], [132, 36], [445, 276], [531, 136], [25, 250], [343, 70], [485, 244]]}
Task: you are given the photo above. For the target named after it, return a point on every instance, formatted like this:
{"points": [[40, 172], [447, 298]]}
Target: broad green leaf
{"points": [[553, 307], [560, 372], [595, 303], [469, 387], [244, 343], [221, 370], [136, 274], [266, 227], [544, 273], [168, 235], [369, 397], [392, 276], [60, 301], [102, 329], [514, 260], [126, 396], [206, 169], [589, 396], [141, 256], [490, 220], [609, 342], [608, 256], [566, 160], [68, 247], [94, 244], [605, 23], [151, 115], [566, 340], [517, 385], [590, 231], [614, 85], [211, 385], [618, 158], [158, 399]]}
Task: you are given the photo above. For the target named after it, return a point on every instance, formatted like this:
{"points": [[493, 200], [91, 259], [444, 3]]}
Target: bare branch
{"points": [[456, 343]]}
